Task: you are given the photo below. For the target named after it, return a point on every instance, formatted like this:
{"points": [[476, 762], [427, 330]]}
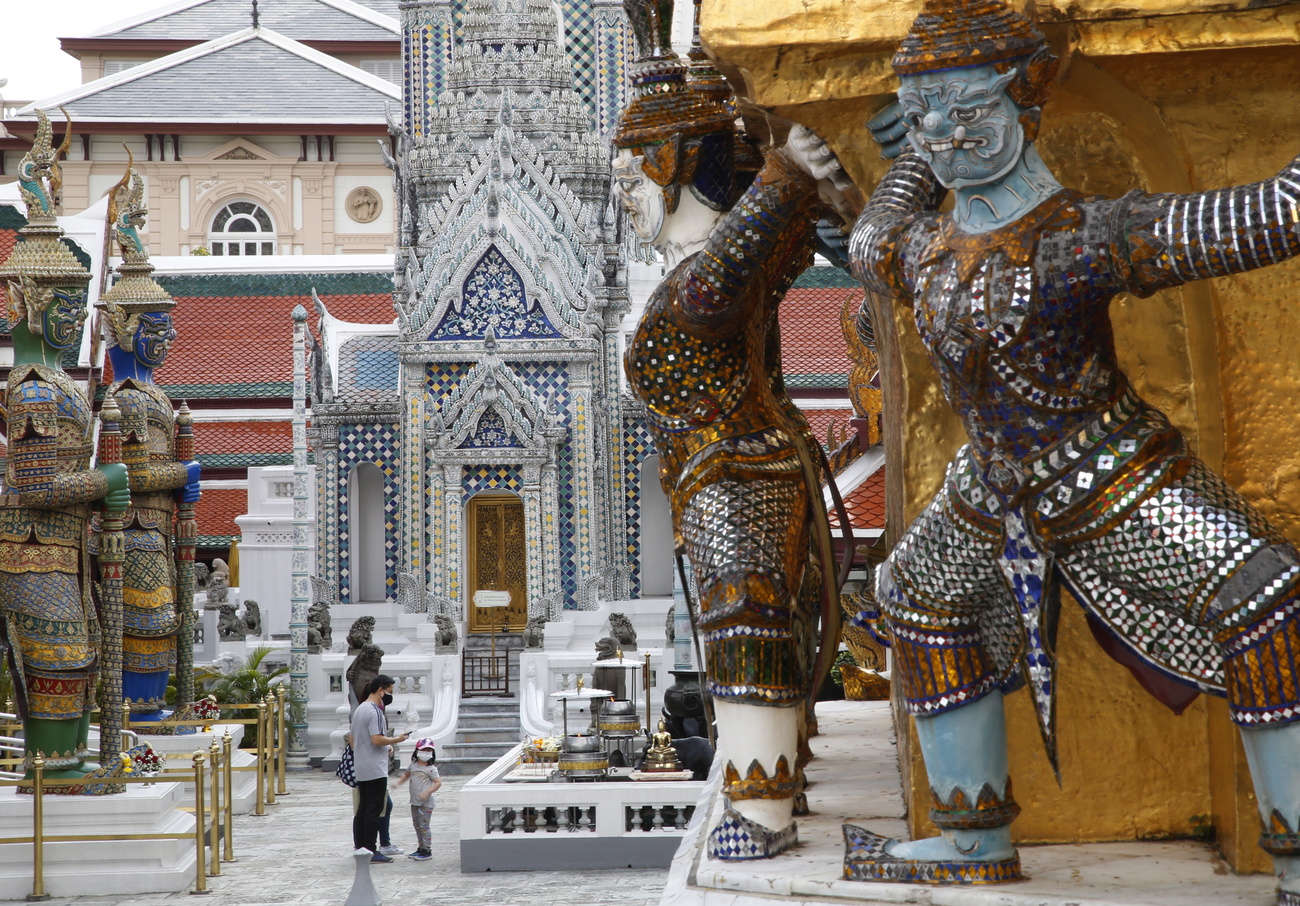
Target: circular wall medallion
{"points": [[364, 204]]}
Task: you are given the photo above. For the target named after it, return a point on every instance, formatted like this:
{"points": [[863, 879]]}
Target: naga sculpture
{"points": [[139, 332], [50, 625], [1070, 479], [735, 452]]}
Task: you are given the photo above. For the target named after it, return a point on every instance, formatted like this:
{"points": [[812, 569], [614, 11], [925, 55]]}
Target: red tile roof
{"points": [[235, 331], [243, 437], [813, 350], [865, 503], [254, 332], [217, 510]]}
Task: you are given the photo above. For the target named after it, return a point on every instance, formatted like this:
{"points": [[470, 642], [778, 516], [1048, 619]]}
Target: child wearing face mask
{"points": [[423, 774]]}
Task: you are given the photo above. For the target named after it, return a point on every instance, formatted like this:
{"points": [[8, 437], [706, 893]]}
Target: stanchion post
{"points": [[281, 743], [268, 764], [214, 834], [227, 759], [200, 866], [260, 810], [38, 830]]}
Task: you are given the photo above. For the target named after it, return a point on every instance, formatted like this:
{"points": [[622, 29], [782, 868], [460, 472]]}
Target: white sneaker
{"points": [[391, 850]]}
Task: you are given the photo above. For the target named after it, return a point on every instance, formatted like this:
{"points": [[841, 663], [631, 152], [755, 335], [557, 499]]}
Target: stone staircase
{"points": [[487, 729], [488, 726]]}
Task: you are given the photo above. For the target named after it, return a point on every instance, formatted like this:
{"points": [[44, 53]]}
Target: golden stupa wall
{"points": [[1169, 96]]}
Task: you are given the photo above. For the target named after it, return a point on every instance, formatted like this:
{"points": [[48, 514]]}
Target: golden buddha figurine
{"points": [[661, 756]]}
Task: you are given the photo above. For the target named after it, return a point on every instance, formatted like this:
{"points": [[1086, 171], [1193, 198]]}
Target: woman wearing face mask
{"points": [[370, 752], [425, 781]]}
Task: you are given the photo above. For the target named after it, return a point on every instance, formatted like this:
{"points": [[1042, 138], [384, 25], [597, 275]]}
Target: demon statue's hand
{"points": [[118, 497], [889, 129], [189, 492], [812, 155]]}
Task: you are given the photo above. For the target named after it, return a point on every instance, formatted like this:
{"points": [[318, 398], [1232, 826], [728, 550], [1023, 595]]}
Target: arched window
{"points": [[242, 228]]}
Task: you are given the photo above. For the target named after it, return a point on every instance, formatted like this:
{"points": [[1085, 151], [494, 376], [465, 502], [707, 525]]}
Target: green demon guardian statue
{"points": [[138, 323], [50, 627], [735, 453], [1069, 479]]}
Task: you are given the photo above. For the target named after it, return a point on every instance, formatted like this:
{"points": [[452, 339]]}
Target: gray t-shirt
{"points": [[370, 760], [422, 778]]}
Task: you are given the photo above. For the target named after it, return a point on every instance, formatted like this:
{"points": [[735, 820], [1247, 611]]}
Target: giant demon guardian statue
{"points": [[139, 330], [735, 451], [1069, 477], [50, 626]]}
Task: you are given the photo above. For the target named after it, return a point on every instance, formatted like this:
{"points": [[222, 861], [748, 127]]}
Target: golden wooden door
{"points": [[498, 558]]}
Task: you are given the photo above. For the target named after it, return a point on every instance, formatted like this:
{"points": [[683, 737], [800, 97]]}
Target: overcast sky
{"points": [[30, 57]]}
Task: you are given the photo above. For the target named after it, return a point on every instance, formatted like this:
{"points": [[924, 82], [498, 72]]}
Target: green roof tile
{"points": [[823, 277], [188, 285]]}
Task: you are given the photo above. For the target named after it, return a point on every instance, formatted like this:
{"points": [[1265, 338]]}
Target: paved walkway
{"points": [[301, 852]]}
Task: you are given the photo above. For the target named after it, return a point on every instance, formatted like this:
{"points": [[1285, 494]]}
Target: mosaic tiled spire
{"points": [[592, 37], [505, 172]]}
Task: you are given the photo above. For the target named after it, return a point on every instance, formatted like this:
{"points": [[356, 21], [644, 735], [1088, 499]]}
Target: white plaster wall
{"points": [[266, 544]]}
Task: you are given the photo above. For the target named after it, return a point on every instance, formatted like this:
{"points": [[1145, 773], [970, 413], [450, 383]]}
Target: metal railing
{"points": [[212, 775], [213, 811], [485, 674], [272, 742]]}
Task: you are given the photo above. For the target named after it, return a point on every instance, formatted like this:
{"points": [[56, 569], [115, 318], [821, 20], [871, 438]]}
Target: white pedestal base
{"points": [[101, 867]]}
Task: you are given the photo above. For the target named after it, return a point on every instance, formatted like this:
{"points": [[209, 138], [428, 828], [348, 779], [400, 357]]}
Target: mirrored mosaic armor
{"points": [[1069, 475], [702, 360], [150, 620], [43, 564], [49, 623]]}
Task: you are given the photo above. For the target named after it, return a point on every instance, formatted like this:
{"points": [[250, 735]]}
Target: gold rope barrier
{"points": [[38, 830], [260, 810], [200, 876], [214, 836], [268, 764], [207, 837], [282, 749], [227, 754]]}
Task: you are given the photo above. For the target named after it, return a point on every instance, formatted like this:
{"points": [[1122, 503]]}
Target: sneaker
{"points": [[380, 857], [420, 856], [391, 850]]}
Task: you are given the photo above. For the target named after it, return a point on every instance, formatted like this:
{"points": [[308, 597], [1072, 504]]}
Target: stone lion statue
{"points": [[201, 574], [534, 632], [365, 668], [606, 648], [670, 625], [253, 618], [360, 634], [230, 628], [318, 621], [218, 589], [446, 638], [623, 631]]}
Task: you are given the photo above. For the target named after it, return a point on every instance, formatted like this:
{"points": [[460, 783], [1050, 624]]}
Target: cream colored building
{"points": [[252, 139]]}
